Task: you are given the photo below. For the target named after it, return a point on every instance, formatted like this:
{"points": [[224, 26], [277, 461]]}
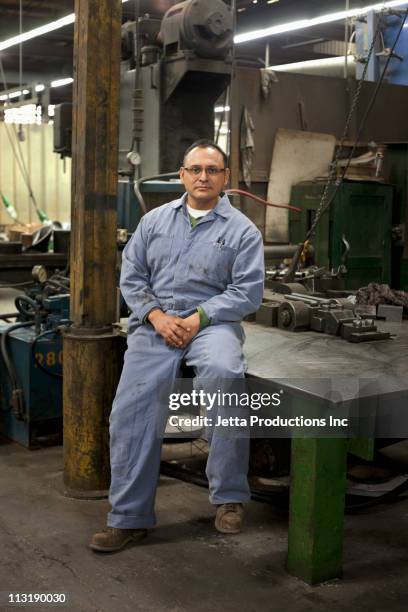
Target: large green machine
{"points": [[355, 231], [396, 161]]}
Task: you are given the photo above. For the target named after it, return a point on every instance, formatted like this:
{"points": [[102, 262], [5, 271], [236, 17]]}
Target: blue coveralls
{"points": [[218, 264]]}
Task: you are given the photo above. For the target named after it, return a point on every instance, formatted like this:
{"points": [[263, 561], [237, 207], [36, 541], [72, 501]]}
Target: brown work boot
{"points": [[229, 518], [113, 538]]}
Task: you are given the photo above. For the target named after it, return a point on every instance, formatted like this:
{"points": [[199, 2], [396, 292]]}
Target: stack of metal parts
{"points": [[298, 310]]}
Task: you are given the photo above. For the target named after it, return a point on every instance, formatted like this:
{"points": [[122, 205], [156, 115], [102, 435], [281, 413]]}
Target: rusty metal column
{"points": [[91, 349]]}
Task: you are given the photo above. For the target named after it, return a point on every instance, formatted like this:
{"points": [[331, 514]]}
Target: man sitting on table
{"points": [[192, 271]]}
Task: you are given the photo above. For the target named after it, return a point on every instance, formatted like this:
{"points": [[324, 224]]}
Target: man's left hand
{"points": [[192, 322]]}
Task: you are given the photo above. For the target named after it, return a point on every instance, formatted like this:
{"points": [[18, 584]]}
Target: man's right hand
{"points": [[172, 329]]}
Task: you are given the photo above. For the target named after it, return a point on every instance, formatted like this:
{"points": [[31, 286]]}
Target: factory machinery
{"points": [[31, 361], [183, 61], [296, 309]]}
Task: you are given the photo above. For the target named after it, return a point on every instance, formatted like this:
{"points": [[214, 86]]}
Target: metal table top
{"points": [[314, 364], [303, 360]]}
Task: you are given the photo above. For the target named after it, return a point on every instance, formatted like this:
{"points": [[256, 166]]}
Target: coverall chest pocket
{"points": [[213, 260], [159, 249]]}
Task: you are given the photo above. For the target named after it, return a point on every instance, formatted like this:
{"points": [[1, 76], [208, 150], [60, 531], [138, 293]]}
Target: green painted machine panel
{"points": [[404, 274], [307, 196], [362, 214]]}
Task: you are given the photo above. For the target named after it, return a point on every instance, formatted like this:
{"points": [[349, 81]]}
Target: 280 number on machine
{"points": [[49, 359]]}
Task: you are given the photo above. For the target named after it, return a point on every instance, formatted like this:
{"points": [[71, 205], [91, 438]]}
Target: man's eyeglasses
{"points": [[210, 170]]}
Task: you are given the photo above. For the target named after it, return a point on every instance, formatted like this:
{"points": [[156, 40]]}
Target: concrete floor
{"points": [[184, 564]]}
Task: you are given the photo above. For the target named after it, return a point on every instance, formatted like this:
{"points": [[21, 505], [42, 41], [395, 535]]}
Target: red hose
{"points": [[261, 200]]}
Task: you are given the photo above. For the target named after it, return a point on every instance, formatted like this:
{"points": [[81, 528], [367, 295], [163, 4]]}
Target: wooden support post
{"points": [[91, 361], [317, 492]]}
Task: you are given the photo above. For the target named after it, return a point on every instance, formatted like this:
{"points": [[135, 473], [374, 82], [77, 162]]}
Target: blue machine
{"points": [[154, 192], [389, 24], [397, 72], [128, 207], [31, 390]]}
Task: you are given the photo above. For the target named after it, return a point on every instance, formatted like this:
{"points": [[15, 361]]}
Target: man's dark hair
{"points": [[203, 143]]}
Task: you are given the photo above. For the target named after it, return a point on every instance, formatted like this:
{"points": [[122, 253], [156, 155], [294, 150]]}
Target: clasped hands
{"points": [[176, 331]]}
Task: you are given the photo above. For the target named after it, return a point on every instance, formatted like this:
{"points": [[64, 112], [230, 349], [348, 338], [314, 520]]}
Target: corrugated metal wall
{"points": [[49, 175]]}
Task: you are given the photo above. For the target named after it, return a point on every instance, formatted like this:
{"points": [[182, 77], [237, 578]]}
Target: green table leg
{"points": [[318, 484]]}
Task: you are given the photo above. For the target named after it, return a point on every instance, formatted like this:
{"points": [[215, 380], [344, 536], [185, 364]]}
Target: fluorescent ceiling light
{"points": [[239, 38], [48, 27], [220, 109], [14, 94], [326, 61], [61, 82], [40, 87], [27, 114], [17, 94], [308, 23]]}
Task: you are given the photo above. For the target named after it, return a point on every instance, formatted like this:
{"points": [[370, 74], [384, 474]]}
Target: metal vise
{"points": [[301, 312]]}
